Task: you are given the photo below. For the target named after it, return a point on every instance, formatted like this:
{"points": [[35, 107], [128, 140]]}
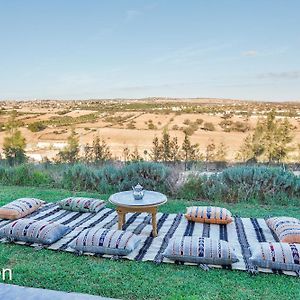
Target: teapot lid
{"points": [[138, 187]]}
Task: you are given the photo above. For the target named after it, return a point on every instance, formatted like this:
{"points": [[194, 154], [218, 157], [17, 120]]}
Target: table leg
{"points": [[154, 225], [121, 219]]}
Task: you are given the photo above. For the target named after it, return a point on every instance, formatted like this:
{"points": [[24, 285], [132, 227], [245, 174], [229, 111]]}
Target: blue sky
{"points": [[105, 49]]}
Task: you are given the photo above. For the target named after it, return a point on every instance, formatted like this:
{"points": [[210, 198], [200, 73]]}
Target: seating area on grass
{"points": [[206, 236]]}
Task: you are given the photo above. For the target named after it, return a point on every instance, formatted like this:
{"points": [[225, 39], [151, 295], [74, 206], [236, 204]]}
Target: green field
{"points": [[139, 280]]}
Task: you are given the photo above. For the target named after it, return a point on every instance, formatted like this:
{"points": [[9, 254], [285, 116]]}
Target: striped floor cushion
{"points": [[80, 204], [32, 231], [278, 256], [208, 214], [200, 250], [287, 229], [105, 241], [20, 208]]}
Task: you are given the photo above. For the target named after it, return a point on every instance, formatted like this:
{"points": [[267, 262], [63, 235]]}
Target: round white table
{"points": [[126, 203]]}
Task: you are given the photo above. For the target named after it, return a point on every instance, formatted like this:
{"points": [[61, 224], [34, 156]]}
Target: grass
{"points": [[139, 280]]}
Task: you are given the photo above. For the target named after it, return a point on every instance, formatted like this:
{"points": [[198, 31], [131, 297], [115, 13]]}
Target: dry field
{"points": [[134, 123]]}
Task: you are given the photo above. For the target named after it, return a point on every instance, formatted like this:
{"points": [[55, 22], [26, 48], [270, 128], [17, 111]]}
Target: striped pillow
{"points": [[278, 256], [287, 229], [32, 231], [80, 204], [105, 241], [208, 214], [200, 250], [20, 208]]}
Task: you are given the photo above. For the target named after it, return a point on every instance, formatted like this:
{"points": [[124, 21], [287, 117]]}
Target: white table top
{"points": [[126, 199]]}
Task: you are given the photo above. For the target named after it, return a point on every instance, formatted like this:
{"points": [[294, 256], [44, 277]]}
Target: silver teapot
{"points": [[138, 192]]}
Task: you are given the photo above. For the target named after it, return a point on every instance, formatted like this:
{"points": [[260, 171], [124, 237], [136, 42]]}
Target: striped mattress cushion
{"points": [[287, 229], [32, 231], [208, 214], [278, 256], [200, 250], [20, 208], [105, 241], [80, 204]]}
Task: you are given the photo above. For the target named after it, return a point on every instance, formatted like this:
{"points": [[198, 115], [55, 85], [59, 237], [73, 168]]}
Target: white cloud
{"points": [[280, 75], [187, 54], [251, 53], [132, 14]]}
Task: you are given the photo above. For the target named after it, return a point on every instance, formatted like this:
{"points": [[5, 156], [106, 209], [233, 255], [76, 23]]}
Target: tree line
{"points": [[269, 142]]}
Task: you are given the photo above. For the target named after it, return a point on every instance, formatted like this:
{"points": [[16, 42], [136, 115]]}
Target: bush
{"points": [[24, 175], [151, 176], [110, 179], [80, 177], [261, 184], [258, 184], [208, 126], [36, 126], [191, 129]]}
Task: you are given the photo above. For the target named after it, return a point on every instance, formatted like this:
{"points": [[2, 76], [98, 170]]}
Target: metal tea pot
{"points": [[138, 192]]}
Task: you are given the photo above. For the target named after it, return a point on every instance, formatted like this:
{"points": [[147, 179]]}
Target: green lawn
{"points": [[139, 280]]}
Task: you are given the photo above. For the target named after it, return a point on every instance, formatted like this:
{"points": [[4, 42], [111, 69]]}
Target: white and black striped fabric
{"points": [[241, 233], [200, 250], [34, 231], [105, 241]]}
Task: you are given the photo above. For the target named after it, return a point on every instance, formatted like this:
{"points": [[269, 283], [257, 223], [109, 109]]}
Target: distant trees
{"points": [[190, 152], [70, 154], [98, 152], [210, 152], [167, 149], [221, 152], [14, 143], [270, 141]]}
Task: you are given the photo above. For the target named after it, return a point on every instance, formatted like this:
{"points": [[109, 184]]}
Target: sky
{"points": [[72, 49]]}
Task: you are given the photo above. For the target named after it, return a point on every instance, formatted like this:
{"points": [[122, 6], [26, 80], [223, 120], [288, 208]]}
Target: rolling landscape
{"points": [[150, 150], [132, 124]]}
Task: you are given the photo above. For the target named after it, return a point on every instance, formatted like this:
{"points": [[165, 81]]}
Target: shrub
{"points": [[208, 126], [150, 175], [199, 121], [256, 183], [80, 177], [110, 179], [36, 126], [24, 175], [151, 126], [191, 129]]}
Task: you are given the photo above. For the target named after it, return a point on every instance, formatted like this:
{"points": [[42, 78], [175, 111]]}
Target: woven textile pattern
{"points": [[287, 229], [280, 256], [29, 230], [20, 208], [81, 204], [208, 214], [105, 241]]}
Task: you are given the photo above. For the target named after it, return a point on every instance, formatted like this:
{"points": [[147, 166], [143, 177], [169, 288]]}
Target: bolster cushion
{"points": [[32, 231], [200, 250], [208, 214], [20, 208], [279, 256], [287, 229], [81, 204], [105, 241]]}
